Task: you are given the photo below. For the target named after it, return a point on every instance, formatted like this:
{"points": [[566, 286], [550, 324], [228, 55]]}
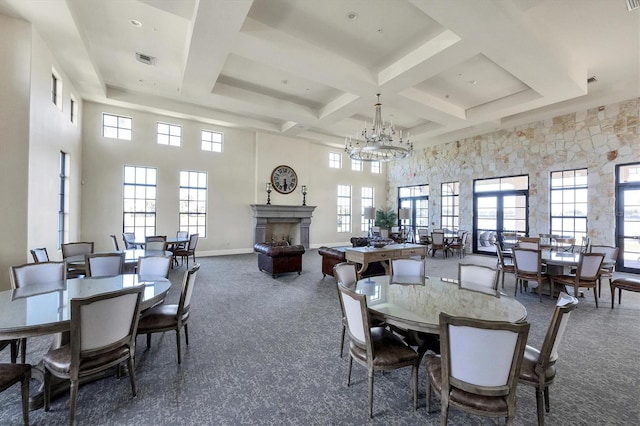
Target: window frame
{"points": [[367, 194], [121, 131], [172, 138], [559, 224], [210, 141], [344, 208], [145, 219], [185, 211], [335, 160]]}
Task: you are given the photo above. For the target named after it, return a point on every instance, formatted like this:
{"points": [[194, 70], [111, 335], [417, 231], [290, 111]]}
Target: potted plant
{"points": [[385, 219]]}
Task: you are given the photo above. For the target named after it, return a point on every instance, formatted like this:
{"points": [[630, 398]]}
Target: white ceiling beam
{"points": [[213, 29]]}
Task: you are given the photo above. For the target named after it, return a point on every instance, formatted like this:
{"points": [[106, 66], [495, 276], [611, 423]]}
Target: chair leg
{"points": [[132, 377], [148, 340], [14, 351], [186, 334], [178, 344], [539, 406], [547, 406], [25, 396], [428, 396], [349, 371], [47, 389], [73, 399], [595, 295], [342, 340], [371, 394], [23, 347], [414, 386]]}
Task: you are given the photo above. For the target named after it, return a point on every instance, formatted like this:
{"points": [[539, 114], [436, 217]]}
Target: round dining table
{"points": [[415, 303], [44, 308], [130, 256]]}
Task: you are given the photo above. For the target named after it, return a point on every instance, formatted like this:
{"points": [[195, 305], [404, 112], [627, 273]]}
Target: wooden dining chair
{"points": [[102, 336], [504, 266], [76, 249], [10, 374], [161, 318], [40, 255], [407, 267], [376, 349], [538, 366], [478, 368], [528, 265], [33, 274], [608, 264], [586, 276], [114, 242], [154, 266], [347, 274]]}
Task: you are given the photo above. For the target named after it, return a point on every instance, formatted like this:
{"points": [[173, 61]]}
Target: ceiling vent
{"points": [[592, 79], [145, 59], [632, 4]]}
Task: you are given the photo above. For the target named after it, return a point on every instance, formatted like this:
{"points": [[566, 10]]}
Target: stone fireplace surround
{"points": [[269, 214]]}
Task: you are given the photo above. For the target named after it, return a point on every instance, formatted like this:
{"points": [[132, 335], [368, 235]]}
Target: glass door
{"points": [[628, 218], [415, 198], [500, 212]]}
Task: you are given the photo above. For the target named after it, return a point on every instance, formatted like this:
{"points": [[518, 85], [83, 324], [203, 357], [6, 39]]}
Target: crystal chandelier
{"points": [[378, 145]]}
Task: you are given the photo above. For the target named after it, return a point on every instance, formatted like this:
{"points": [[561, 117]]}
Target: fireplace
{"points": [[277, 223]]}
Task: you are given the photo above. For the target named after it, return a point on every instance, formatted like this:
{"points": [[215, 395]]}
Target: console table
{"points": [[365, 255]]}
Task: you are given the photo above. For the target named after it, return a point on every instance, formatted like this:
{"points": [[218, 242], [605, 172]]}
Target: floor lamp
{"points": [[404, 215], [370, 214]]}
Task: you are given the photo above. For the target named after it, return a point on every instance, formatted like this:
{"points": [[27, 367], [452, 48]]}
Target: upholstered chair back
{"points": [[610, 252], [37, 273], [105, 321], [76, 249], [155, 243], [129, 238], [114, 242], [104, 264], [355, 311], [478, 277], [437, 238], [589, 266], [482, 357], [562, 311], [345, 273], [40, 255], [193, 242], [154, 266], [527, 260], [408, 267], [188, 285]]}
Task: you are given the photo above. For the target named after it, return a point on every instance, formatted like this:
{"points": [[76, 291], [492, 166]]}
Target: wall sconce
{"points": [[304, 195], [268, 189]]}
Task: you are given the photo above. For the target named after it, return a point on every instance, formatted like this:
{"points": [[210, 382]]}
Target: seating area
{"points": [[289, 311]]}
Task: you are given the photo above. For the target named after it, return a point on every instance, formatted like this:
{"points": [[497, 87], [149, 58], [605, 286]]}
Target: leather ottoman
{"points": [[331, 256], [278, 258]]}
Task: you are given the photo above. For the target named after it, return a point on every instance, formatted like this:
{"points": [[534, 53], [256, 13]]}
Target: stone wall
{"points": [[597, 139]]}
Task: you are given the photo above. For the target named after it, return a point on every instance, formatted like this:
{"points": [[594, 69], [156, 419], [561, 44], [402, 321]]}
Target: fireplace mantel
{"points": [[271, 213]]}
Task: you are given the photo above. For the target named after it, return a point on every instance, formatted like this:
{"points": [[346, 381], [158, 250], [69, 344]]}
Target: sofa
{"points": [[279, 257], [334, 255]]}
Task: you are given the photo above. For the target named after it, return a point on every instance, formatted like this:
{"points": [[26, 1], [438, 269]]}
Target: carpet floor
{"points": [[265, 351]]}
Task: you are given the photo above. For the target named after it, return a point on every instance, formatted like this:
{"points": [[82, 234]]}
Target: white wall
{"points": [[237, 178], [32, 133]]}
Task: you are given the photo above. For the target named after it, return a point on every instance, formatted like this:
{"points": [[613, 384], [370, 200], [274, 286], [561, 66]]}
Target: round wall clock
{"points": [[284, 179]]}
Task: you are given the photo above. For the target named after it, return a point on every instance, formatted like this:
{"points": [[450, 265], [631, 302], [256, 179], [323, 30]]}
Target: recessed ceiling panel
{"points": [[474, 82], [249, 75], [368, 32]]}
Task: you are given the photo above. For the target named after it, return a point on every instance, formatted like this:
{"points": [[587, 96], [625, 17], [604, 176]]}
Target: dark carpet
{"points": [[265, 351]]}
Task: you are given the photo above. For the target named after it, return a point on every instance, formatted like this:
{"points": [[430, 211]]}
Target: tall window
{"points": [[193, 202], [139, 201], [116, 126], [335, 160], [356, 165], [169, 134], [569, 203], [63, 199], [366, 201], [344, 208], [73, 110], [376, 167], [56, 89], [450, 192], [211, 141]]}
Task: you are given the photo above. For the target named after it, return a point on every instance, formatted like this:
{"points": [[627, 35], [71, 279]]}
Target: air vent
{"points": [[632, 4], [145, 59], [592, 79]]}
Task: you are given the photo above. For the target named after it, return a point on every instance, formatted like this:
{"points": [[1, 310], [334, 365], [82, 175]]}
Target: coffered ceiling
{"points": [[311, 68]]}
